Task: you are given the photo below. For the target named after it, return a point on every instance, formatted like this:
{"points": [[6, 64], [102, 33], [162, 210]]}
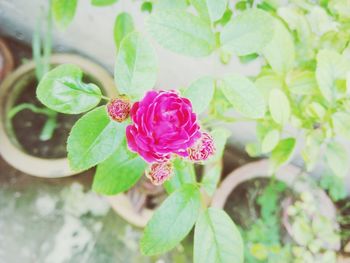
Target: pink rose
{"points": [[163, 124]]}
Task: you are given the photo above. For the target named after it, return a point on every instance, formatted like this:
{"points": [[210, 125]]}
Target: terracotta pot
{"points": [[6, 60], [288, 174], [10, 89]]}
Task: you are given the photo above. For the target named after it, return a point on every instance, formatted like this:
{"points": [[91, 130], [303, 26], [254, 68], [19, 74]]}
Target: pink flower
{"points": [[119, 108], [160, 172], [202, 149], [163, 124]]}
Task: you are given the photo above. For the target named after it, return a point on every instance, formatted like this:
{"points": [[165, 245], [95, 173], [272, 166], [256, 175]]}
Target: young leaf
{"points": [[244, 96], [136, 66], [181, 32], [63, 11], [62, 90], [103, 2], [280, 51], [210, 9], [200, 93], [279, 106], [337, 159], [123, 26], [282, 152], [93, 138], [341, 124], [248, 33], [172, 221], [183, 174], [119, 172], [270, 141], [217, 239], [330, 67]]}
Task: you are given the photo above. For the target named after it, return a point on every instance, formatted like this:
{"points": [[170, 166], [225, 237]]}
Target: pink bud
{"points": [[202, 149], [119, 108], [158, 173]]}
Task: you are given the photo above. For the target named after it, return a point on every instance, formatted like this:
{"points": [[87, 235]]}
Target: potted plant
{"points": [[279, 216], [34, 136]]}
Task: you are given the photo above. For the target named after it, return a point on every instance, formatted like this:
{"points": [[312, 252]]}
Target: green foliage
{"points": [[183, 174], [122, 27], [171, 4], [200, 93], [136, 66], [62, 90], [212, 10], [243, 95], [63, 12], [247, 33], [279, 106], [282, 152], [119, 172], [93, 138], [216, 238], [337, 159], [172, 221], [335, 186], [181, 32], [103, 2]]}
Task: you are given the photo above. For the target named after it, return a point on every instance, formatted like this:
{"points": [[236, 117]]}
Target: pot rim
{"points": [[32, 165], [8, 58]]}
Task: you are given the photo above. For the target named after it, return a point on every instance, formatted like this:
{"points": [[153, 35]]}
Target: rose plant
{"points": [[303, 84]]}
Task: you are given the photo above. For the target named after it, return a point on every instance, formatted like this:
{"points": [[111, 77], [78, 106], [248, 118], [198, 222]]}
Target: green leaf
{"points": [[282, 152], [341, 124], [244, 96], [302, 82], [63, 11], [211, 176], [181, 32], [200, 93], [217, 239], [248, 33], [119, 172], [270, 141], [136, 66], [122, 27], [331, 66], [103, 2], [279, 106], [212, 10], [266, 83], [184, 173], [280, 51], [220, 136], [93, 138], [62, 90], [337, 159], [172, 221]]}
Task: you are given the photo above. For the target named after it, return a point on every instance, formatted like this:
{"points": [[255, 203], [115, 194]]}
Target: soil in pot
{"points": [[26, 126]]}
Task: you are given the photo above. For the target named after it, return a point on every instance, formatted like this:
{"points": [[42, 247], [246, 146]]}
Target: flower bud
{"points": [[158, 173], [202, 149], [119, 109]]}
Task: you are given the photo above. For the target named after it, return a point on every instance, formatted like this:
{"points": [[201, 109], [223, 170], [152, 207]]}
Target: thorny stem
{"points": [[105, 98]]}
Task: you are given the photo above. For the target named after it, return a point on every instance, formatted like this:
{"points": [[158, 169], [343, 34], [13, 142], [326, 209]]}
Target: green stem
{"points": [[28, 106], [105, 98]]}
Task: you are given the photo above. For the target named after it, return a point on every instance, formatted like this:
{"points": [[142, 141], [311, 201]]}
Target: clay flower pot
{"points": [[6, 60], [20, 145]]}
